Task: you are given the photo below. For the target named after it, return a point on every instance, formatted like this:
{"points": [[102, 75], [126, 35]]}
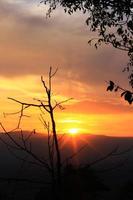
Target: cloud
{"points": [[30, 43], [98, 107], [21, 12]]}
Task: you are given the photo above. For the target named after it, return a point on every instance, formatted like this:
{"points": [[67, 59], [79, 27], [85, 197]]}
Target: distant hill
{"points": [[115, 171]]}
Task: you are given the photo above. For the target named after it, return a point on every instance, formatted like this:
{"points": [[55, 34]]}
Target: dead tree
{"points": [[53, 164]]}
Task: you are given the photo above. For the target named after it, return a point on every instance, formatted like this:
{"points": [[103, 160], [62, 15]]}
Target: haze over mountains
{"points": [[115, 171]]}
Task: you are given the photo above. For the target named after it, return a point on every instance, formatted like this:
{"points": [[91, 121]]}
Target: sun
{"points": [[73, 131]]}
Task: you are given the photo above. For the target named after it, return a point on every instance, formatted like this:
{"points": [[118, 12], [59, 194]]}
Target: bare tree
{"points": [[55, 166], [54, 163]]}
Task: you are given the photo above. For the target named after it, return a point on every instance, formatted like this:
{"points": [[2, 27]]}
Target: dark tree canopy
{"points": [[112, 19], [113, 22]]}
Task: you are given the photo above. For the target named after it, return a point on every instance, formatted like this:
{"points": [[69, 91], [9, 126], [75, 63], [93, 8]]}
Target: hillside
{"points": [[114, 171]]}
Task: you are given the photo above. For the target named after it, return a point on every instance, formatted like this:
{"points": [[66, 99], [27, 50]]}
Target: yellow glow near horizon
{"points": [[72, 121], [73, 131]]}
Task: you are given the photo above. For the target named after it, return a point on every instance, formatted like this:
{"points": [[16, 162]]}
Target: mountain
{"points": [[110, 157]]}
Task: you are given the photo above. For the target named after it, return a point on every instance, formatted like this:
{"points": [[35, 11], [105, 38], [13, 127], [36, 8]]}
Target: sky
{"points": [[30, 43]]}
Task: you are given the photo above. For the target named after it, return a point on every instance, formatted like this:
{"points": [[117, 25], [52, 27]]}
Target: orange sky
{"points": [[30, 43]]}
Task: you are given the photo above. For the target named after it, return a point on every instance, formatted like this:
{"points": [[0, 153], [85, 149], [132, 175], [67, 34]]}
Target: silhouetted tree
{"points": [[126, 94], [111, 19], [66, 181], [53, 164], [113, 22]]}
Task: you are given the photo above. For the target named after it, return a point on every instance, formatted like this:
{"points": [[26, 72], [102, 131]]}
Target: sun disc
{"points": [[73, 131]]}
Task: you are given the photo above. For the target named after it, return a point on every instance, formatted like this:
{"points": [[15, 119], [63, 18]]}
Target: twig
{"points": [[74, 155]]}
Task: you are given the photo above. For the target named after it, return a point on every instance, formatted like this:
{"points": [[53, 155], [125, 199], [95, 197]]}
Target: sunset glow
{"points": [[73, 131], [66, 99], [82, 72]]}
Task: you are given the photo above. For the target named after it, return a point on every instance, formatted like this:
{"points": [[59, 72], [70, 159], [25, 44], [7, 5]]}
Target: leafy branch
{"points": [[126, 94]]}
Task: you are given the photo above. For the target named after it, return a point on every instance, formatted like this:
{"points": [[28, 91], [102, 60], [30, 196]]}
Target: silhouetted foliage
{"points": [[126, 94], [64, 181], [111, 19], [113, 22], [111, 86], [53, 163]]}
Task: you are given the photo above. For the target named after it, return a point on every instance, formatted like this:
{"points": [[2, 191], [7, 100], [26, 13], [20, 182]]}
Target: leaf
{"points": [[123, 93], [89, 42], [120, 31], [130, 24], [111, 86], [95, 46], [127, 96], [87, 21], [116, 89], [111, 82], [130, 101]]}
